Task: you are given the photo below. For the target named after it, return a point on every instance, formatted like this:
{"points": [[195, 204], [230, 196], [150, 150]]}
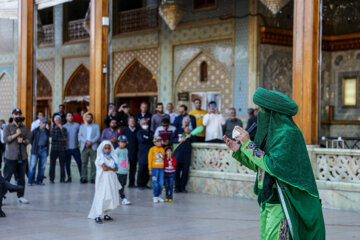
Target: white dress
{"points": [[107, 186]]}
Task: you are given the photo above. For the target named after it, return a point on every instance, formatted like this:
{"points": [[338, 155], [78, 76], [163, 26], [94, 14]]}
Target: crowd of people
{"points": [[144, 146]]}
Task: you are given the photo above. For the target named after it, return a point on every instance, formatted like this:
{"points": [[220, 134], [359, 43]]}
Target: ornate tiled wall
{"points": [[276, 68], [47, 68], [135, 41], [6, 95], [71, 64], [148, 57], [241, 57], [219, 78]]}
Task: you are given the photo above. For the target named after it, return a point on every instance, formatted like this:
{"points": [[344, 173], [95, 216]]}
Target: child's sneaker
{"points": [[170, 200], [155, 199], [125, 202], [160, 199], [166, 200]]}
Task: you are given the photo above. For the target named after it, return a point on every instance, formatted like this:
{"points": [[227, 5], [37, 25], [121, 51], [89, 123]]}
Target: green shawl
{"points": [[288, 161]]}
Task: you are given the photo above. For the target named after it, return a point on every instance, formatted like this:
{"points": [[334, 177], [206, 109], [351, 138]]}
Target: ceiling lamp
{"points": [[275, 5], [172, 12]]}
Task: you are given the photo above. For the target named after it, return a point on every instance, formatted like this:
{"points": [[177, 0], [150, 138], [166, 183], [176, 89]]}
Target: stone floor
{"points": [[60, 211]]}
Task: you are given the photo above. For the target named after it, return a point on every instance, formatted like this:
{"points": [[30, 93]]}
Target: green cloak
{"points": [[287, 160]]}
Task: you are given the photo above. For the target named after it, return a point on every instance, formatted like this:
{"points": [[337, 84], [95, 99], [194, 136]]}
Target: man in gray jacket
{"points": [[16, 137], [89, 135]]}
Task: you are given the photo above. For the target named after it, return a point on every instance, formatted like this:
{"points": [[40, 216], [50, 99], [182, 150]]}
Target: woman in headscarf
{"points": [[290, 207], [107, 186]]}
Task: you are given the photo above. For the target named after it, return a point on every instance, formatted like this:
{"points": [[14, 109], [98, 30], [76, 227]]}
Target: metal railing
{"points": [[136, 20], [76, 31]]}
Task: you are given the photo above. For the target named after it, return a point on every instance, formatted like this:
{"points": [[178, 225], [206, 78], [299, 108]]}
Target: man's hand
{"points": [[234, 146], [150, 173], [18, 132], [88, 144], [183, 139], [217, 111], [59, 126], [243, 136], [20, 140]]}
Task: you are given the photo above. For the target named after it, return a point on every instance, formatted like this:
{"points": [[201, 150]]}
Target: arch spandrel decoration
{"points": [[78, 84], [136, 80], [218, 78], [43, 88], [6, 94]]}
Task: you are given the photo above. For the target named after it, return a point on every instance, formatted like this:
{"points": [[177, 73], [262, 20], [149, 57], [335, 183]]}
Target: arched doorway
{"points": [[77, 89], [135, 85], [43, 94]]}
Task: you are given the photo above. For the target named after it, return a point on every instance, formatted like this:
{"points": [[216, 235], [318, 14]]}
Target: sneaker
{"points": [[125, 202], [155, 199], [170, 200], [160, 199], [23, 200], [29, 184], [166, 200]]}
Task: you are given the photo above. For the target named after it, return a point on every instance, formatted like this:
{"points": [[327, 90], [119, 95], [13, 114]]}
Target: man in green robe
{"points": [[290, 207]]}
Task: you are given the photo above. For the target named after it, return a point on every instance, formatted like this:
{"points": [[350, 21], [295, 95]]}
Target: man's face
{"points": [[144, 108], [58, 121], [61, 109], [232, 113], [89, 119], [170, 108], [113, 124], [69, 117], [182, 111], [165, 126], [197, 104], [40, 115], [160, 108], [131, 122], [42, 125]]}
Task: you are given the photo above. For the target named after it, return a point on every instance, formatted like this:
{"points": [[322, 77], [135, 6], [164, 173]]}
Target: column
{"points": [[253, 49], [25, 59], [305, 67], [98, 60]]}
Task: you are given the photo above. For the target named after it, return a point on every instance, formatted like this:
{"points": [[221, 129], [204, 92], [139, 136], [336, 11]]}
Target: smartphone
{"points": [[111, 107], [213, 107]]}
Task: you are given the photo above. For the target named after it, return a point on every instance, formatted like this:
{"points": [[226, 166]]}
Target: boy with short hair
{"points": [[122, 154], [156, 168]]}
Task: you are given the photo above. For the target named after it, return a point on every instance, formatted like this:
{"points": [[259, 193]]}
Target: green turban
{"points": [[275, 101]]}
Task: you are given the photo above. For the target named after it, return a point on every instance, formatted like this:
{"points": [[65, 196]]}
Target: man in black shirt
{"points": [[252, 119], [144, 107], [61, 113]]}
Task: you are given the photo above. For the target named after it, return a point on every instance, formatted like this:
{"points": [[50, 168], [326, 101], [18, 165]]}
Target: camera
{"points": [[19, 119]]}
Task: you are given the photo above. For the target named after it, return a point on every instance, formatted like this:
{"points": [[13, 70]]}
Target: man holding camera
{"points": [[16, 137]]}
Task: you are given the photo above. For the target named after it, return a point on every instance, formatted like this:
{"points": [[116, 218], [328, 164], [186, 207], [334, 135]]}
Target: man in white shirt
{"points": [[35, 124], [213, 122], [172, 114]]}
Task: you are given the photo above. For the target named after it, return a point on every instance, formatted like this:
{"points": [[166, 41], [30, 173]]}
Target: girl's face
{"points": [[158, 143], [168, 153], [107, 149], [122, 144]]}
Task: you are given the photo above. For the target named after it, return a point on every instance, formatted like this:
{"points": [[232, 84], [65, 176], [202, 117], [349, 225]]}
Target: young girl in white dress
{"points": [[107, 186]]}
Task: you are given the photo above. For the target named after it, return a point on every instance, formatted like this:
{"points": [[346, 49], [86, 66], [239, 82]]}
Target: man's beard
{"points": [[89, 122]]}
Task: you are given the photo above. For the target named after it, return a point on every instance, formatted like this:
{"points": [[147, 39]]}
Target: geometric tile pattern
{"points": [[219, 79], [220, 50], [71, 64], [47, 68], [6, 95], [147, 57], [135, 41]]}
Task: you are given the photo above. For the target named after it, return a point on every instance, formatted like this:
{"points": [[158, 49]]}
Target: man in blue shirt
{"points": [[72, 129], [39, 152]]}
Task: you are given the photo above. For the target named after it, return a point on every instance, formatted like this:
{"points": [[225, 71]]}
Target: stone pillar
{"points": [[253, 49], [305, 67], [25, 59], [57, 97], [165, 85], [98, 60]]}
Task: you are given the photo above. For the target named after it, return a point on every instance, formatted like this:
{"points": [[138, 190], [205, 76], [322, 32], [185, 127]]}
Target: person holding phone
{"points": [[213, 121]]}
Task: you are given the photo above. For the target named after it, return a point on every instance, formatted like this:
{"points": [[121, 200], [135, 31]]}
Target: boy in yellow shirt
{"points": [[156, 168], [199, 114]]}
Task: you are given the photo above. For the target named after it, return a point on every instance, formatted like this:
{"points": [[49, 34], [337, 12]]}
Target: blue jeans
{"points": [[157, 181], [169, 184], [76, 154], [40, 156]]}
